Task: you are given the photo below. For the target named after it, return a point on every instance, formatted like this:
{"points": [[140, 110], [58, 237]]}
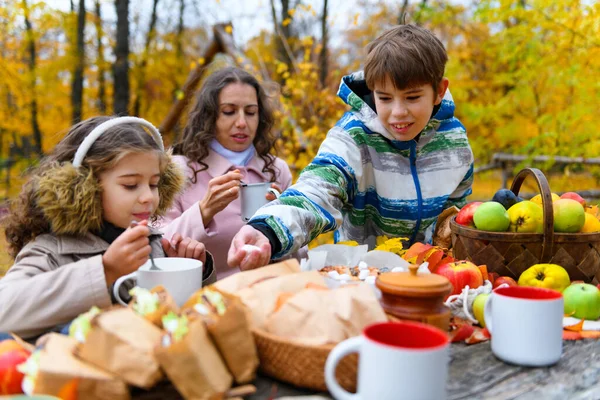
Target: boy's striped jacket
{"points": [[364, 184]]}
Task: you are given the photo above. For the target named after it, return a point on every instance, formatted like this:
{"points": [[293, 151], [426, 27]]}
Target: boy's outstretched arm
{"points": [[313, 205]]}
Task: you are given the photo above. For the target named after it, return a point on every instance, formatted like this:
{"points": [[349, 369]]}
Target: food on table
{"points": [[175, 327], [569, 216], [491, 216], [229, 327], [526, 217], [582, 300], [361, 272], [152, 304], [11, 355], [550, 276], [460, 274], [80, 327]]}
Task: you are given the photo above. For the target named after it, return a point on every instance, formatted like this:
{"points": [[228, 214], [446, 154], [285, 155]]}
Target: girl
{"points": [[227, 139], [71, 228]]}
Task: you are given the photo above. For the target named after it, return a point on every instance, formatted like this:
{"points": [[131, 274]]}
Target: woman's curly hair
{"points": [[201, 126]]}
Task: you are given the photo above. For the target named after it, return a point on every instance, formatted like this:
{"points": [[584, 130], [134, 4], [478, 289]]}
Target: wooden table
{"points": [[476, 374]]}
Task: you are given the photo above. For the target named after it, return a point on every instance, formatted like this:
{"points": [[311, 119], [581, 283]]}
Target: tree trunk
{"points": [[121, 65], [37, 134], [77, 85], [323, 57], [402, 15], [281, 32], [100, 63], [141, 76]]}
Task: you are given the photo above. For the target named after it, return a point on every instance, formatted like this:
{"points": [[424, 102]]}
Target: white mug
{"points": [[398, 360], [181, 277], [525, 324], [253, 197]]}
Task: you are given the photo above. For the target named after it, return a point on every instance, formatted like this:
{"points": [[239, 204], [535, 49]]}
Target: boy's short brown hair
{"points": [[408, 55]]}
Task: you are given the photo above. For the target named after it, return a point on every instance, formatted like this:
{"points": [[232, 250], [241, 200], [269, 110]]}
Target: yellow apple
{"points": [[478, 307], [526, 216], [537, 199]]}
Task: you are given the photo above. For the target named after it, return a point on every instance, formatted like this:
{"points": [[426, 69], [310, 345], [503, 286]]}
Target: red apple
{"points": [[465, 215], [573, 196], [10, 378], [504, 279], [492, 276], [460, 274]]}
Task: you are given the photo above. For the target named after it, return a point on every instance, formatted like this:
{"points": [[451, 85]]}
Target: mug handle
{"points": [[118, 284], [346, 347], [274, 192], [487, 313]]}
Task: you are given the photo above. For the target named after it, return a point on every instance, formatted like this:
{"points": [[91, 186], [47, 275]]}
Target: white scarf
{"points": [[241, 158]]}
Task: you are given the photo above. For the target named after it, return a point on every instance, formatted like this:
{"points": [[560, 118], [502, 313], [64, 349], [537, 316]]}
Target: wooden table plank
{"points": [[475, 374]]}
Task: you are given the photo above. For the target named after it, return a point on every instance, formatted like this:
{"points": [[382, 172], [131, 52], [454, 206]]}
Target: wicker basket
{"points": [[509, 253], [302, 365]]}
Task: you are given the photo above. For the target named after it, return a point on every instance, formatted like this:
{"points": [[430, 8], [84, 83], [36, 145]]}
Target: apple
{"points": [[478, 307], [591, 224], [491, 216], [537, 199], [573, 196], [569, 216], [461, 274], [504, 279], [506, 197], [526, 217], [10, 377], [492, 276], [582, 300], [550, 276], [465, 215]]}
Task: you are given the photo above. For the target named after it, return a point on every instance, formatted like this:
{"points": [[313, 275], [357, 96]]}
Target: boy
{"points": [[389, 167]]}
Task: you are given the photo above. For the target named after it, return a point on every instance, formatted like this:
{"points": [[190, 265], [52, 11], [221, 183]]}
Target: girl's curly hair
{"points": [[201, 126]]}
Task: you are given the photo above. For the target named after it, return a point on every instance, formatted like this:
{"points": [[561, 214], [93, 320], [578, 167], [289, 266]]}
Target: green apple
{"points": [[569, 216], [491, 216], [582, 300], [527, 217], [478, 307]]}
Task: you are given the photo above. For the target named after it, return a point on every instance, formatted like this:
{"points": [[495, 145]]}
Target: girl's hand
{"points": [[184, 248], [270, 196], [221, 191], [127, 253]]}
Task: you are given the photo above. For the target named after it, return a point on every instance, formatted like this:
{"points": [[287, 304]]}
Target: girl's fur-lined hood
{"points": [[71, 198]]}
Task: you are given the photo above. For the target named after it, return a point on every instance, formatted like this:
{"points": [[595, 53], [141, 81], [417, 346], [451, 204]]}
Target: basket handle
{"points": [[544, 187]]}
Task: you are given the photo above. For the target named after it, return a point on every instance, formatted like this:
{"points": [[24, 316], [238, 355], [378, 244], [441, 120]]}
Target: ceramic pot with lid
{"points": [[417, 297]]}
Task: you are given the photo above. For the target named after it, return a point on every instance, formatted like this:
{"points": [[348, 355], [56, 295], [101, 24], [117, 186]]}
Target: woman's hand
{"points": [[184, 247], [221, 191], [127, 253], [270, 196], [249, 249]]}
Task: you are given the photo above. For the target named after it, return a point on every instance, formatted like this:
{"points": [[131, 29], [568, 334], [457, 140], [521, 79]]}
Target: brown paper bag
{"points": [[166, 303], [122, 342], [230, 330], [318, 317], [244, 279], [442, 236], [60, 373], [194, 365], [261, 298]]}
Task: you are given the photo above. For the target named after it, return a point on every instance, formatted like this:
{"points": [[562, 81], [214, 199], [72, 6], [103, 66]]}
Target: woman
{"points": [[227, 140]]}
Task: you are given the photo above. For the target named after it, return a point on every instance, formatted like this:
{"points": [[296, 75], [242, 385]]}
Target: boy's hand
{"points": [[221, 191], [249, 249], [184, 248], [127, 253]]}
